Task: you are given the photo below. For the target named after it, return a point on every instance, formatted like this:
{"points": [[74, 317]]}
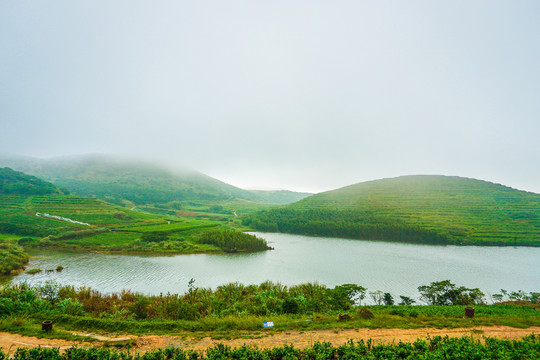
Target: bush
{"points": [[364, 313], [156, 236], [140, 308], [12, 257], [290, 306]]}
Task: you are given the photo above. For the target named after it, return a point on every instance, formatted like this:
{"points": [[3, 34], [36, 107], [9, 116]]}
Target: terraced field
{"points": [[111, 228], [35, 213], [168, 226]]}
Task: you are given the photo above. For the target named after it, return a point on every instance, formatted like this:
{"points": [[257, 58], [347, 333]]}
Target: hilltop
{"points": [[120, 180], [426, 209]]}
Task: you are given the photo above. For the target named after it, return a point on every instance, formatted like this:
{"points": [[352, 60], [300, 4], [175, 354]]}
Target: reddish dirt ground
{"points": [[9, 342]]}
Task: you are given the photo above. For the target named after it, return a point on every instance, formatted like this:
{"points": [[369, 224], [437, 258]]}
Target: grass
{"points": [[112, 228], [437, 209], [235, 309], [247, 326], [32, 327]]}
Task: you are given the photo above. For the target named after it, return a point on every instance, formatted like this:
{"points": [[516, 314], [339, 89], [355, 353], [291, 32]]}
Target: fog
{"points": [[300, 95]]}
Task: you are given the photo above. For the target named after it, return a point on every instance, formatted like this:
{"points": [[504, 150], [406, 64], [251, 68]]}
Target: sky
{"points": [[301, 95]]}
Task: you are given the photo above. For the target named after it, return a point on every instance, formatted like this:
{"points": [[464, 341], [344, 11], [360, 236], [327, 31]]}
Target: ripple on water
{"points": [[390, 267]]}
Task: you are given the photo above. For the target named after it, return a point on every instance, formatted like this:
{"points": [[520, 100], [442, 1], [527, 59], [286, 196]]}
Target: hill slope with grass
{"points": [[117, 180], [36, 213], [423, 209], [16, 183]]}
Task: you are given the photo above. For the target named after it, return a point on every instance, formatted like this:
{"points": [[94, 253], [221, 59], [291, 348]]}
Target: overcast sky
{"points": [[303, 95]]}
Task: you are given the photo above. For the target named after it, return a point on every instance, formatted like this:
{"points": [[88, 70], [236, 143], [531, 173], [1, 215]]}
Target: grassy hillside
{"points": [[119, 180], [430, 209], [14, 182], [87, 223], [39, 214]]}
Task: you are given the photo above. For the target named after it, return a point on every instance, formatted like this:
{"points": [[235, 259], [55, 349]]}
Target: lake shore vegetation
{"points": [[12, 257], [237, 307]]}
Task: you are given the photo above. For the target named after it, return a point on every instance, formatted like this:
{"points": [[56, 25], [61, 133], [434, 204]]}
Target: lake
{"points": [[391, 267]]}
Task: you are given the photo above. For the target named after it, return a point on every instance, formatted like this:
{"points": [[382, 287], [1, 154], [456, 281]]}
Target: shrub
{"points": [[156, 236], [290, 306], [364, 313], [140, 308]]}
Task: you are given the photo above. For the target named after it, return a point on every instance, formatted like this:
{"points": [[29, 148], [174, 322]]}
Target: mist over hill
{"points": [[425, 209], [116, 179]]}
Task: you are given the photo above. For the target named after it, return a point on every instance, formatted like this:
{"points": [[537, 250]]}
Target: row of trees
{"points": [[349, 224], [232, 241]]}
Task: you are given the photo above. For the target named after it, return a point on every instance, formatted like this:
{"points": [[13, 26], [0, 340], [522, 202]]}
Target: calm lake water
{"points": [[390, 267]]}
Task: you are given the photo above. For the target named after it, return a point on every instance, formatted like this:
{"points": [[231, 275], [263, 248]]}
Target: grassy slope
{"points": [[111, 227], [116, 180], [105, 226], [452, 209]]}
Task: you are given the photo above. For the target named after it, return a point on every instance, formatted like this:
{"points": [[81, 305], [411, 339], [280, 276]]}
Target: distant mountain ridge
{"points": [[423, 208], [115, 179]]}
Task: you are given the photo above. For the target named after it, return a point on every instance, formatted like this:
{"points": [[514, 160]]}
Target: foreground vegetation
{"points": [[422, 209], [236, 307], [432, 348]]}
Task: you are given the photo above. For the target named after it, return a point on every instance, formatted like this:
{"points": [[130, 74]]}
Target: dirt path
{"points": [[9, 342]]}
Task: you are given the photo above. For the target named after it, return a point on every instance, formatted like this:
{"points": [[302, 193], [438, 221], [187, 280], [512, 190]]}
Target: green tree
{"points": [[388, 299], [446, 293]]}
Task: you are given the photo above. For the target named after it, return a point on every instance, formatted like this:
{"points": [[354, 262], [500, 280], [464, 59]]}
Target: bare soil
{"points": [[300, 339]]}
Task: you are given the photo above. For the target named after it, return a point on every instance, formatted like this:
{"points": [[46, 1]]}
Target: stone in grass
{"points": [[119, 341]]}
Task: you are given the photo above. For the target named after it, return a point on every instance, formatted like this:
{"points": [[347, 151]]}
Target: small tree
{"points": [[405, 300], [377, 296], [388, 299], [348, 295]]}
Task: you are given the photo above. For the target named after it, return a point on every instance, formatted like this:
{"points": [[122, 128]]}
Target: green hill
{"points": [[426, 209], [39, 214], [116, 180], [17, 183]]}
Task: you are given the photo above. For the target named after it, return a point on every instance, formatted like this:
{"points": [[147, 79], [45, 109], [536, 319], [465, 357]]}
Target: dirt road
{"points": [[9, 342]]}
